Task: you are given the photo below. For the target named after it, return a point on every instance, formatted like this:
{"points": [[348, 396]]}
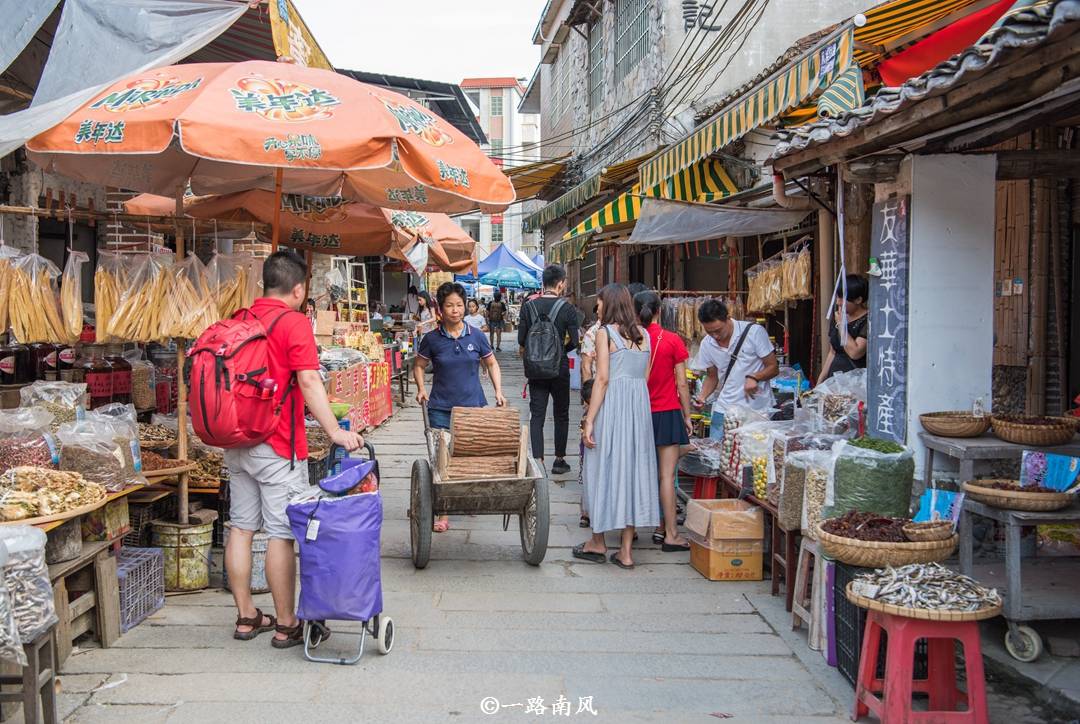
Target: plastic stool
{"points": [[705, 488], [894, 702]]}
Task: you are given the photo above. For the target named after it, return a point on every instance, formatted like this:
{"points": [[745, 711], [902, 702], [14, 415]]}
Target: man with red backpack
{"points": [[263, 478]]}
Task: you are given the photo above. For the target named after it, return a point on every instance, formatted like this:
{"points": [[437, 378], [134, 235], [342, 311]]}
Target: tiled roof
{"points": [[1027, 25], [490, 83]]}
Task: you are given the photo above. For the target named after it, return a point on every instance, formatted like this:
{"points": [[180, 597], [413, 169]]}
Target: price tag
{"points": [[312, 529]]}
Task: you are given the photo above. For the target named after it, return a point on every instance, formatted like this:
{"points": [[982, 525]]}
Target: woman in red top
{"points": [[669, 396]]}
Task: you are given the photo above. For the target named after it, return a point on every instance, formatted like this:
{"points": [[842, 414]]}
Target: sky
{"points": [[444, 40]]}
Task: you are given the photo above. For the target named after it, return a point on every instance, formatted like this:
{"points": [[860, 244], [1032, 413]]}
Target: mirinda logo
{"points": [[413, 119], [145, 92], [283, 100]]}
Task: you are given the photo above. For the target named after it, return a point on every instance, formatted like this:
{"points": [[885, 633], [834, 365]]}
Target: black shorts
{"points": [[668, 428]]}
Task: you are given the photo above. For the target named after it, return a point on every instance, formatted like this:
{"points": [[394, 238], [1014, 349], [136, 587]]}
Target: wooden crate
{"points": [[86, 592]]}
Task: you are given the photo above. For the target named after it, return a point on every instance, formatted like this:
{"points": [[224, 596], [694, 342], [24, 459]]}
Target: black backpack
{"points": [[543, 344]]}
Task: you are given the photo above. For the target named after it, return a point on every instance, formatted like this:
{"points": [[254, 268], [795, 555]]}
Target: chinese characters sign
{"points": [[887, 350], [296, 146]]}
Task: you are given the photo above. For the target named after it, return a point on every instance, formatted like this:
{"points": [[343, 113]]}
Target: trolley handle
{"points": [[427, 422]]}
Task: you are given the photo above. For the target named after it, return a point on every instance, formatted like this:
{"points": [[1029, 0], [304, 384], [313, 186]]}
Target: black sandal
{"points": [[294, 636], [657, 537], [256, 626], [579, 551], [674, 547], [615, 559]]}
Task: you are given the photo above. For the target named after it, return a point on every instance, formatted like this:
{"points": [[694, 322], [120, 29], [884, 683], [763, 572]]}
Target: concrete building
{"points": [[618, 81], [513, 139]]}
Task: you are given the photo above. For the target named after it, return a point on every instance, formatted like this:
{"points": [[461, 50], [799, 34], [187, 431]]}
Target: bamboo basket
{"points": [[929, 531], [954, 424], [156, 444], [875, 554], [923, 614], [1059, 432], [1016, 499]]}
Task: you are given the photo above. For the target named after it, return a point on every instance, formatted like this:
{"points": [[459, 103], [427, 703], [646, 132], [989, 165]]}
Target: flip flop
{"points": [[579, 551], [657, 538], [615, 559], [674, 547]]}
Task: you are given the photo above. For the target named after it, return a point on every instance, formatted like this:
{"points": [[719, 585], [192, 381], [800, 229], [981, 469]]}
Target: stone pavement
{"points": [[659, 643]]}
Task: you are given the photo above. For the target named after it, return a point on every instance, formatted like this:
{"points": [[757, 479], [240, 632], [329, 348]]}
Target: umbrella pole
{"points": [[181, 387], [277, 209], [307, 281]]}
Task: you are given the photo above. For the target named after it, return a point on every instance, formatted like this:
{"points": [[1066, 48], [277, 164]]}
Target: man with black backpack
{"points": [[548, 330]]}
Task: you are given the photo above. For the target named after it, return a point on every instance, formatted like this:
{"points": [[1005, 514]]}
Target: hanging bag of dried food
{"points": [[229, 279], [63, 400], [755, 298], [771, 280], [33, 302], [143, 380], [103, 452], [71, 296], [8, 257], [139, 312], [796, 275], [26, 438], [191, 307], [109, 278]]}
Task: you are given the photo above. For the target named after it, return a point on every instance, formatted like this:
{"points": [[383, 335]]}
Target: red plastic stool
{"points": [[890, 698], [705, 488]]}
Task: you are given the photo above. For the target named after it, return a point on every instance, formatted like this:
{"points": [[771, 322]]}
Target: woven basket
{"points": [[873, 554], [954, 424], [1059, 432], [156, 444], [921, 613], [930, 531], [1016, 499]]}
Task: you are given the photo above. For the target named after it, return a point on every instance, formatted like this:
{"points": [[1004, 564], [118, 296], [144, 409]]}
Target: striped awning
{"points": [[531, 178], [608, 177], [705, 181], [565, 252], [785, 89], [845, 94], [897, 24]]}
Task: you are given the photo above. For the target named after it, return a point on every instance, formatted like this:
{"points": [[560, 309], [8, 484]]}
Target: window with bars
{"points": [[497, 231], [632, 29], [596, 64], [496, 103]]}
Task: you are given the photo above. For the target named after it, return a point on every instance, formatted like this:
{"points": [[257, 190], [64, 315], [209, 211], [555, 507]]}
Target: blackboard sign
{"points": [[887, 347]]}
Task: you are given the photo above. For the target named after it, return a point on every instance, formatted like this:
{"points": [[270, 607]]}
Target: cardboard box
{"points": [[729, 519], [729, 560], [324, 321]]}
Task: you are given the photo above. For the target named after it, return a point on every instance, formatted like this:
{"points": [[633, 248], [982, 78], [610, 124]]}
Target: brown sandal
{"points": [[294, 635], [256, 626]]}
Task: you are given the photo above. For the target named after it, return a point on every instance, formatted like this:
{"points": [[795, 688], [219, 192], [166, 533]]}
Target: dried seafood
{"points": [[929, 586], [867, 527]]}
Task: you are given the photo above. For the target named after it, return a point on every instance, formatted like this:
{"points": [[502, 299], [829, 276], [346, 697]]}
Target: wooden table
{"points": [[1039, 588], [986, 447]]}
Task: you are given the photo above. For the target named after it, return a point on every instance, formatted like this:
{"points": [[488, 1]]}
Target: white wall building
{"points": [[513, 140]]}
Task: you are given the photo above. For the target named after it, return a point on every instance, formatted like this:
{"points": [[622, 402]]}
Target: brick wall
{"points": [[123, 233]]}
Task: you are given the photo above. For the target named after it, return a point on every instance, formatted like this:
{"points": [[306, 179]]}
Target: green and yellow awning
{"points": [[704, 181], [567, 251], [845, 94], [785, 89]]}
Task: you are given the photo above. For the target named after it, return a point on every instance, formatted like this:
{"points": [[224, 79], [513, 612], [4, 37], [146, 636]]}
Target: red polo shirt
{"points": [[292, 348]]}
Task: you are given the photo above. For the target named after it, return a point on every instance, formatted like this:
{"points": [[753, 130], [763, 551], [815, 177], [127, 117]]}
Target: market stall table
{"points": [[1036, 588], [986, 447]]}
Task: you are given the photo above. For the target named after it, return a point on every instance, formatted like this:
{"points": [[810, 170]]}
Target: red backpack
{"points": [[233, 402]]}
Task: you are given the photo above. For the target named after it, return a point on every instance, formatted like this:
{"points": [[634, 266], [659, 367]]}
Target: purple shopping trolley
{"points": [[339, 570]]}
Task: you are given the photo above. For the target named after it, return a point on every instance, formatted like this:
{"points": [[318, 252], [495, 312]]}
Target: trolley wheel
{"points": [[421, 517], [316, 632], [385, 637], [1023, 643], [533, 523]]}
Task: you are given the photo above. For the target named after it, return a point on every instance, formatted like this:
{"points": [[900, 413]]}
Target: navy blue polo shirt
{"points": [[455, 366]]}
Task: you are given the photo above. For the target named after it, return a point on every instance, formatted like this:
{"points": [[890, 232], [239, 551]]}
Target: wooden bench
{"points": [[87, 598]]}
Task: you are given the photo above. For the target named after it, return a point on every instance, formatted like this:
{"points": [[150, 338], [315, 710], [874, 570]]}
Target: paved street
{"points": [[656, 644]]}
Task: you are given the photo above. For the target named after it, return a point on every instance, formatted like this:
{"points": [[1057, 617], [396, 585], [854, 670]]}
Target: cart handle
{"points": [[427, 422]]}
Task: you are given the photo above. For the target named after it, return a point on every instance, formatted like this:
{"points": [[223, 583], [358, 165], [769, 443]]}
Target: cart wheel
{"points": [[385, 637], [315, 632], [533, 523], [1023, 643], [421, 517]]}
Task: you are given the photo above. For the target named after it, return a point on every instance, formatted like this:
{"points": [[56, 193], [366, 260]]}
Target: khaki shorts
{"points": [[261, 484]]}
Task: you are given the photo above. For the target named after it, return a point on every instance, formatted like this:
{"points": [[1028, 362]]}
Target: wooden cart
{"points": [[439, 488]]}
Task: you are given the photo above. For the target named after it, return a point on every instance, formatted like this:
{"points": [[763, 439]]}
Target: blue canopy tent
{"points": [[501, 258], [538, 260]]}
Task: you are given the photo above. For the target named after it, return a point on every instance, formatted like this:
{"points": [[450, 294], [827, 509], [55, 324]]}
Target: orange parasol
{"points": [[236, 126], [332, 225]]}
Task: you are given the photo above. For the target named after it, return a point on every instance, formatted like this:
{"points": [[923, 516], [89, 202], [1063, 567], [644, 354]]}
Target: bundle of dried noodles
{"points": [[32, 304]]}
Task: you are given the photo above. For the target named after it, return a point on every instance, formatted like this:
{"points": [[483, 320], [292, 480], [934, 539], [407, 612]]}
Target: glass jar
{"points": [[121, 373], [65, 363], [14, 363], [92, 368], [39, 360]]}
